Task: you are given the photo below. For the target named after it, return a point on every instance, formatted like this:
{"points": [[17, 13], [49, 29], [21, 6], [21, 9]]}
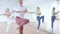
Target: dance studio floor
{"points": [[28, 29]]}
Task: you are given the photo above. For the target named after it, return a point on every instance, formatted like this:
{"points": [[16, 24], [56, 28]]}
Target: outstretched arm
{"points": [[57, 19], [29, 12], [25, 11], [2, 14], [56, 12], [15, 11], [12, 11]]}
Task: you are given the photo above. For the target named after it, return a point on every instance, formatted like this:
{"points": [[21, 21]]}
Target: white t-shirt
{"points": [[20, 14]]}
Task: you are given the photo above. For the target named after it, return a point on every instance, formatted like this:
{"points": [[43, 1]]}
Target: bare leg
{"points": [[21, 30]]}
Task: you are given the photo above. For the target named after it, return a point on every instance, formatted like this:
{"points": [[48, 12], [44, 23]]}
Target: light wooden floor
{"points": [[28, 29]]}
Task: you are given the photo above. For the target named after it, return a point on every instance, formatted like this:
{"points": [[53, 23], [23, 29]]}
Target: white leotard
{"points": [[20, 14], [9, 19]]}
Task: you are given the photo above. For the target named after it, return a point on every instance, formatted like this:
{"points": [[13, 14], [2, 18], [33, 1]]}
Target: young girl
{"points": [[9, 18]]}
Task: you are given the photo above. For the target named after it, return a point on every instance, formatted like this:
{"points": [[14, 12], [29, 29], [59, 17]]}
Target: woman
{"points": [[20, 12], [39, 18], [9, 18], [53, 17]]}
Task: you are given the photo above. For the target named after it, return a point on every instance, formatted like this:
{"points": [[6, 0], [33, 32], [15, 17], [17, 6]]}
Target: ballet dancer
{"points": [[19, 16], [39, 17], [7, 13], [53, 17], [38, 13]]}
